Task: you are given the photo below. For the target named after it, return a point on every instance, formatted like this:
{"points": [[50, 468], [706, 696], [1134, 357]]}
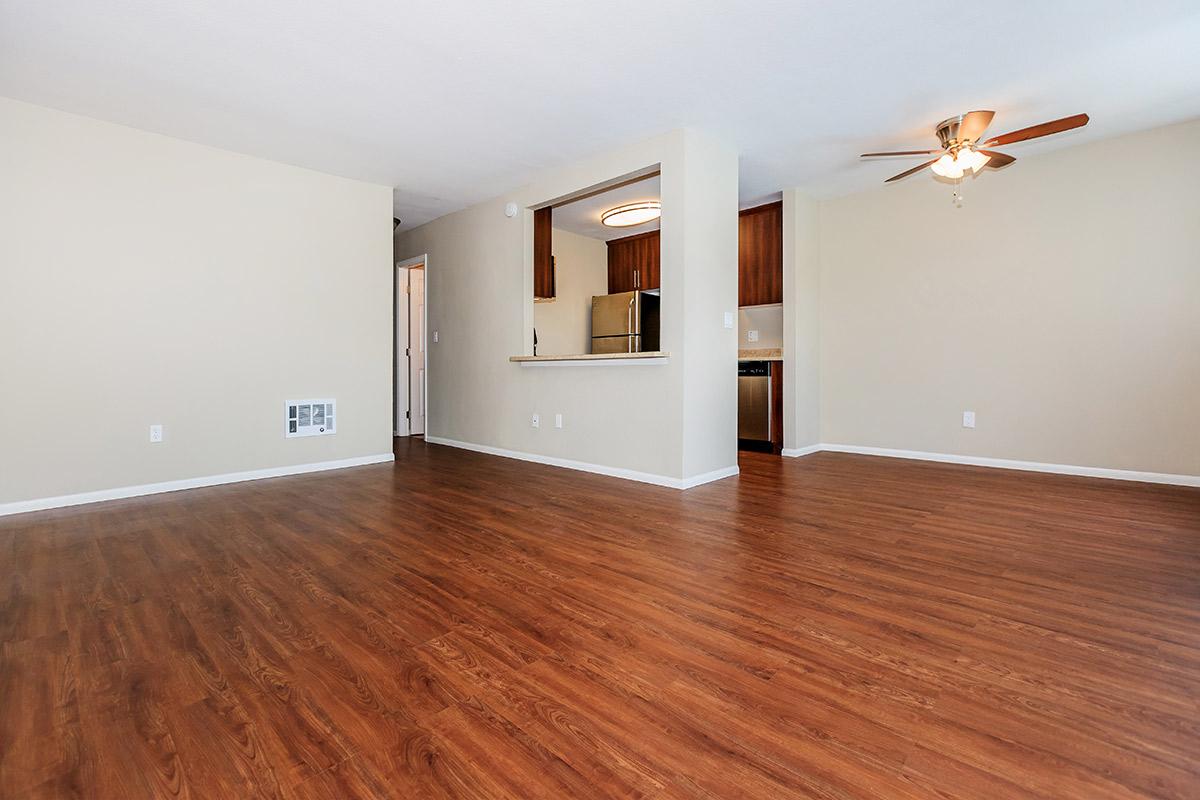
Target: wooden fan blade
{"points": [[1034, 131], [908, 172], [973, 124], [902, 153], [997, 159]]}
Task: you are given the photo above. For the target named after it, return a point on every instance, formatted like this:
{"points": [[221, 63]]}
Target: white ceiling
{"points": [[457, 101], [583, 216]]}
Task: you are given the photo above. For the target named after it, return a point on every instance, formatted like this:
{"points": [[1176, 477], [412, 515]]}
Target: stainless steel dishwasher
{"points": [[754, 401]]}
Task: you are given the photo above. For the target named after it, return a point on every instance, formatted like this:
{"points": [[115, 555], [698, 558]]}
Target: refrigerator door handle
{"points": [[629, 321]]}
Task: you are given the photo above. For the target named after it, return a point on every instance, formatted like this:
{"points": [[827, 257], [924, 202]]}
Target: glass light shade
{"points": [[632, 214], [956, 166]]}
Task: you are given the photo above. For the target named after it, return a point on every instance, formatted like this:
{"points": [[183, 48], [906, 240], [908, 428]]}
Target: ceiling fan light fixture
{"points": [[632, 214], [959, 163]]}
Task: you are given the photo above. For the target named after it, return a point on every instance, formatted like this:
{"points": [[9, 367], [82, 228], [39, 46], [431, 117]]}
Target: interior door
{"points": [[400, 426], [416, 350]]}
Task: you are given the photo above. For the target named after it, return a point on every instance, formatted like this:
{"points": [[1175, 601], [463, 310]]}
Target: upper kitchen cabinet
{"points": [[760, 255], [633, 262], [543, 258]]}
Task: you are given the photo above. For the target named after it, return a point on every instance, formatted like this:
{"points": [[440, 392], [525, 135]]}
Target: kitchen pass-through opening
{"points": [[596, 271]]}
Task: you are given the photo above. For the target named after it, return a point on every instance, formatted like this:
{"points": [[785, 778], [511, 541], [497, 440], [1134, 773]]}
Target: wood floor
{"points": [[461, 625]]}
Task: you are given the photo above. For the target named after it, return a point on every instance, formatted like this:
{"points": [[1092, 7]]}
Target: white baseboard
{"points": [[1004, 463], [796, 452], [583, 466], [122, 492], [709, 477]]}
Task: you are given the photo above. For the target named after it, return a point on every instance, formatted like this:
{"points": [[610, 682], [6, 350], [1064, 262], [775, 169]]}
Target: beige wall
{"points": [[146, 280], [801, 321], [1061, 304], [628, 418], [564, 324], [766, 321]]}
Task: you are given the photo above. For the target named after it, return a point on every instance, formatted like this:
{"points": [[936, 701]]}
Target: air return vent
{"points": [[309, 418]]}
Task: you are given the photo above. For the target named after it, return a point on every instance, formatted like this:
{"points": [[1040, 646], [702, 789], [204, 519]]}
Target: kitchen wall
{"points": [[1061, 304], [625, 419], [564, 324], [767, 321], [147, 280]]}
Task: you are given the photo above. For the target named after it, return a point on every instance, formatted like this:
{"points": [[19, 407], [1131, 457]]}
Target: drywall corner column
{"points": [[801, 321], [710, 286]]}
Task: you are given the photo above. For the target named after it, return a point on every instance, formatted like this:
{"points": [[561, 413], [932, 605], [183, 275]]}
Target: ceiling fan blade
{"points": [[973, 124], [997, 159], [902, 153], [908, 172], [1034, 131]]}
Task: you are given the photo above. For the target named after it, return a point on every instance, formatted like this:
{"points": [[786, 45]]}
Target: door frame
{"points": [[405, 265]]}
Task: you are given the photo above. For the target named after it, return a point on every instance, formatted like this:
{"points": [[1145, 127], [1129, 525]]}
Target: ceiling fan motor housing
{"points": [[947, 132]]}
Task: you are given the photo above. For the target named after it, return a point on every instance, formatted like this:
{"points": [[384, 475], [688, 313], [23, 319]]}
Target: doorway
{"points": [[411, 362]]}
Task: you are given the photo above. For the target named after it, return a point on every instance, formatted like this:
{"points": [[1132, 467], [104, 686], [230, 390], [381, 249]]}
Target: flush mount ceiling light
{"points": [[632, 214]]}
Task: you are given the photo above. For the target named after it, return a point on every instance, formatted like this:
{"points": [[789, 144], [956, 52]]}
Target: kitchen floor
{"points": [[462, 625]]}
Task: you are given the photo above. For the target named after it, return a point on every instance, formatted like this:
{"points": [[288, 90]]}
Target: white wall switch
{"points": [[558, 420], [751, 336], [728, 319], [968, 419], [535, 421], [435, 337], [156, 433]]}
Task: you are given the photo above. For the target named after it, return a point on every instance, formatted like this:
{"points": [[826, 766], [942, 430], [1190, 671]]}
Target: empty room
{"points": [[658, 401]]}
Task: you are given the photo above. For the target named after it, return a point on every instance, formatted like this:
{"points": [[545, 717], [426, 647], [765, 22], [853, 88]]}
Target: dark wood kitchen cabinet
{"points": [[543, 258], [760, 255], [633, 262]]}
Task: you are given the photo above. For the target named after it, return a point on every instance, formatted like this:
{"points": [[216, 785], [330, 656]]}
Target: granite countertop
{"points": [[591, 357], [761, 354]]}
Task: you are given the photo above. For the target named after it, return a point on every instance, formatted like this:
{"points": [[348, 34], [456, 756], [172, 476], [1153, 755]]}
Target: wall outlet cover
{"points": [[156, 433], [558, 420], [535, 421], [728, 319], [752, 336], [968, 419]]}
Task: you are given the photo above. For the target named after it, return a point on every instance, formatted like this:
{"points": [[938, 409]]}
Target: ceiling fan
{"points": [[961, 151]]}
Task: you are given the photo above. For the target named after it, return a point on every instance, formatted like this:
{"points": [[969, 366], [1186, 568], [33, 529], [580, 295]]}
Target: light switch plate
{"points": [[728, 319], [535, 421], [558, 420], [968, 419]]}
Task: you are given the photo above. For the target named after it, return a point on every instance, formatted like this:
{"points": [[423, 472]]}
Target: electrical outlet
{"points": [[751, 336], [535, 421], [156, 433], [728, 319], [558, 420], [968, 419]]}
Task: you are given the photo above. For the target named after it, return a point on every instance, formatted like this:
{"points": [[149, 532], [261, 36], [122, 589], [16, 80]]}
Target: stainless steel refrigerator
{"points": [[626, 322]]}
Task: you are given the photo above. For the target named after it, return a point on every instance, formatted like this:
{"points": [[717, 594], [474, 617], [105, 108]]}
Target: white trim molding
{"points": [[40, 504], [598, 469], [1004, 463], [796, 452]]}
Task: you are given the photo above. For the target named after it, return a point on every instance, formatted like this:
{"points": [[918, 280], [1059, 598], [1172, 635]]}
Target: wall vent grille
{"points": [[309, 418]]}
